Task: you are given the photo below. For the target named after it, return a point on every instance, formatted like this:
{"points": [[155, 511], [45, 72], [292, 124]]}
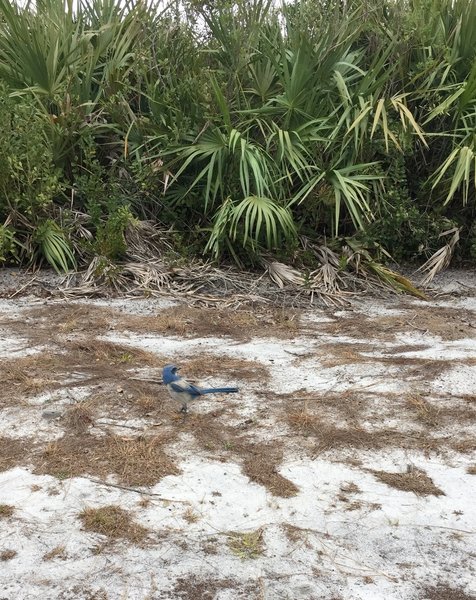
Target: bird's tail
{"points": [[226, 390]]}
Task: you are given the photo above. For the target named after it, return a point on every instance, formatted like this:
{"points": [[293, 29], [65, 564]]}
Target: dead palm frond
{"points": [[148, 276], [146, 241], [375, 273], [328, 276], [282, 274], [441, 258]]}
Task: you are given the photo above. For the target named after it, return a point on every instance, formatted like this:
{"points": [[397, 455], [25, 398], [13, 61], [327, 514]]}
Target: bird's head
{"points": [[169, 373]]}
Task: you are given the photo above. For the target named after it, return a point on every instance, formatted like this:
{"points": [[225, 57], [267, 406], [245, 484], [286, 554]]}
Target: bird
{"points": [[184, 392]]}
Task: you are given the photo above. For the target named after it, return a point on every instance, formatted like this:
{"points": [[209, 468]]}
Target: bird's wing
{"points": [[182, 386]]}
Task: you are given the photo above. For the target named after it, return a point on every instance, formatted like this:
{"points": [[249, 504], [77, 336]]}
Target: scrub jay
{"points": [[184, 392]]}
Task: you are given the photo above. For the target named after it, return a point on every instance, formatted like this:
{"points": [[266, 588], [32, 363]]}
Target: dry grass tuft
{"points": [[464, 445], [445, 592], [191, 516], [56, 552], [68, 318], [95, 361], [260, 464], [113, 522], [112, 354], [346, 492], [417, 369], [247, 545], [349, 487], [329, 436], [445, 322], [79, 417], [260, 461], [339, 353], [425, 412], [12, 452], [210, 433], [193, 588], [185, 321], [414, 480], [205, 365], [471, 470], [7, 555], [294, 533], [146, 403], [139, 461], [29, 375], [6, 510]]}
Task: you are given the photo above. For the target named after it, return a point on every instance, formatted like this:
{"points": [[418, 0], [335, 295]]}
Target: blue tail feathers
{"points": [[225, 390]]}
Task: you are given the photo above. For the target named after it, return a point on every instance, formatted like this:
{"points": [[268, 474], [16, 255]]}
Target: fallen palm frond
{"points": [[103, 276], [377, 274], [328, 276], [145, 241], [148, 276], [394, 280], [282, 274], [441, 258], [151, 268]]}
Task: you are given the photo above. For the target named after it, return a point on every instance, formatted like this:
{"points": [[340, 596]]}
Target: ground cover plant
{"points": [[245, 128]]}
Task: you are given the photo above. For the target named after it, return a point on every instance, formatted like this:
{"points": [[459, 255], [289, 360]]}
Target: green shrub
{"points": [[28, 179]]}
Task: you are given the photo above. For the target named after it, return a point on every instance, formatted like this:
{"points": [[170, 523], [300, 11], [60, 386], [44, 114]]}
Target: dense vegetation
{"points": [[243, 127]]}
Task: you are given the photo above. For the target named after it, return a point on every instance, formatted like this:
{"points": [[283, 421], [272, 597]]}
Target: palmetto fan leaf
{"points": [[261, 219], [255, 221], [221, 158], [54, 246], [462, 162], [351, 188]]}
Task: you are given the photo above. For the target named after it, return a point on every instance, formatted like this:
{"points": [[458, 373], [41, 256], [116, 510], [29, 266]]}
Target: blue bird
{"points": [[184, 392]]}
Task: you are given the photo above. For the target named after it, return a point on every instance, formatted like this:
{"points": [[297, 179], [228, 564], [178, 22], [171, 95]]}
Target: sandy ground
{"points": [[344, 469]]}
